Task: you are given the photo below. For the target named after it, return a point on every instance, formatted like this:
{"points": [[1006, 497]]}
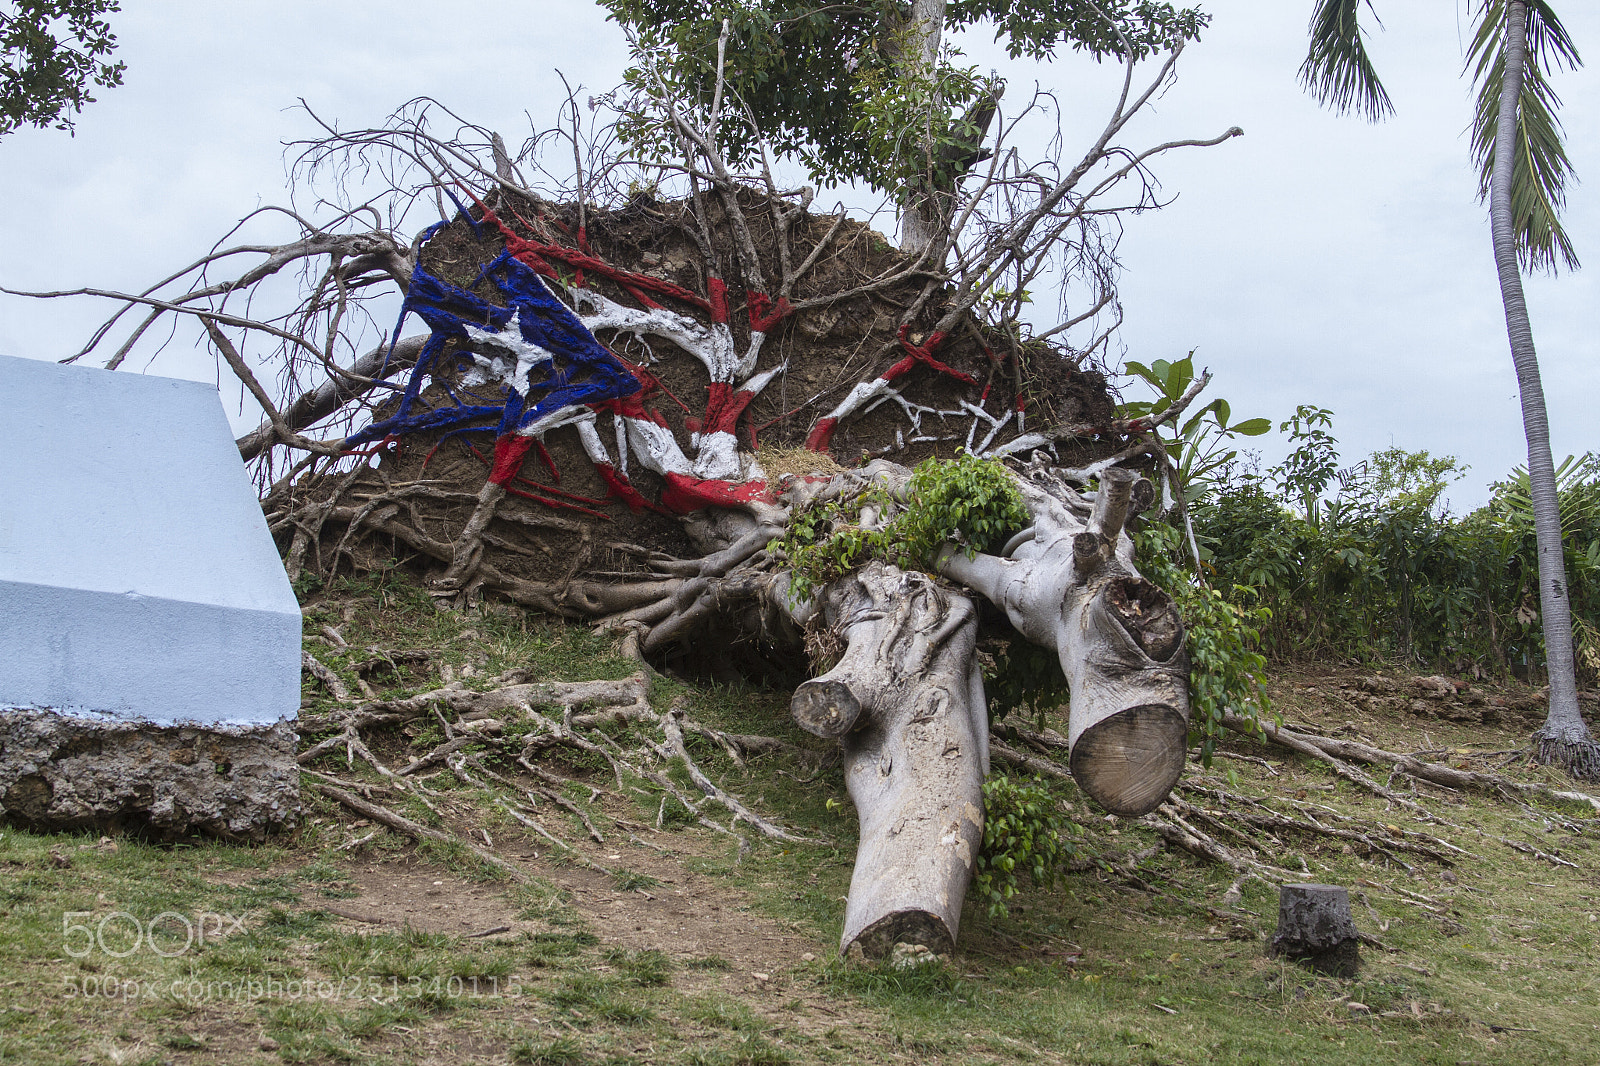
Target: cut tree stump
{"points": [[1315, 927]]}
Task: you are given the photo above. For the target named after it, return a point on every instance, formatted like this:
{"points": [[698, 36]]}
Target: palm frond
{"points": [[1541, 168], [1337, 69]]}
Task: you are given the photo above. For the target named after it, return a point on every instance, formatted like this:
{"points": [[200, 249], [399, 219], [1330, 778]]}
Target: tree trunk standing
{"points": [[920, 219], [1563, 739], [907, 699]]}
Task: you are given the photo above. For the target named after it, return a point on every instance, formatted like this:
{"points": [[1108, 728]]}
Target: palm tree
{"points": [[1523, 167]]}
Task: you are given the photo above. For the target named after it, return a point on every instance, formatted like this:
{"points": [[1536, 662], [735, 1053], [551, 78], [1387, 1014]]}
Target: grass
{"points": [[628, 881], [562, 1051], [1098, 972], [647, 969], [1497, 965]]}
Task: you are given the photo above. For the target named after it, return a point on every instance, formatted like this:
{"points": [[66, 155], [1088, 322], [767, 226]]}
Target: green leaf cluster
{"points": [[914, 140], [966, 501], [1024, 834], [50, 52], [1022, 676], [1540, 167], [1339, 72], [1200, 444], [1222, 635], [1305, 473], [809, 73]]}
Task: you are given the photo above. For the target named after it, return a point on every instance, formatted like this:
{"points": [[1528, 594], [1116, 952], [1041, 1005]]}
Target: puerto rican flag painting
{"points": [[537, 366]]}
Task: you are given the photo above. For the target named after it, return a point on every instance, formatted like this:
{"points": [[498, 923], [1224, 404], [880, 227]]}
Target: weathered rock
{"points": [[1315, 927], [61, 771]]}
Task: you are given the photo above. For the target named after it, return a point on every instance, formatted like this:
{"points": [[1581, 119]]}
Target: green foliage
{"points": [[812, 74], [966, 501], [1222, 627], [1200, 445], [1022, 676], [1222, 635], [50, 52], [1367, 564], [1540, 167], [1305, 474], [915, 141], [1023, 834], [1339, 72]]}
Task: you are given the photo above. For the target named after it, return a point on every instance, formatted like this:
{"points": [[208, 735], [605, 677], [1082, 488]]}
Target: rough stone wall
{"points": [[64, 772]]}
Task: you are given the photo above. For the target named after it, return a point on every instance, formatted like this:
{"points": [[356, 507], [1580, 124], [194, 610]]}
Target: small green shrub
{"points": [[1022, 834], [966, 501], [1226, 671]]}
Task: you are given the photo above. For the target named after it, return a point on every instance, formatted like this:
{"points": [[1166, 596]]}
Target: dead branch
{"points": [[1331, 751], [671, 725], [416, 830]]}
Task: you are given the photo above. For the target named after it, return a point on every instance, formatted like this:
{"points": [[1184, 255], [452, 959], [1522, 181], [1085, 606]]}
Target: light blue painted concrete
{"points": [[137, 576]]}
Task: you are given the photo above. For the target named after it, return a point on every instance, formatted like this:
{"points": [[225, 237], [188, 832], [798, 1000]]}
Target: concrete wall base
{"points": [[64, 772]]}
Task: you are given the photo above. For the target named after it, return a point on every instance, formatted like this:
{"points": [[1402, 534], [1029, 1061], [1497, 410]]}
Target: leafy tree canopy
{"points": [[50, 52], [808, 72]]}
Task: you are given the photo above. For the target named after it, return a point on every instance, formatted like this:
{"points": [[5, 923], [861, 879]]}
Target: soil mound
{"points": [[841, 367]]}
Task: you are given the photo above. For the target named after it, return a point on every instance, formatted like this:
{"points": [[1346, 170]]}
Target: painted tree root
{"points": [[1068, 582], [907, 700]]}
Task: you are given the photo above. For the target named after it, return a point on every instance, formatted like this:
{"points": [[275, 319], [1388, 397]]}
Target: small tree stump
{"points": [[1314, 926]]}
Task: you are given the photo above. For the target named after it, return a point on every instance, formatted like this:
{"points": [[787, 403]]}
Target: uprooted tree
{"points": [[672, 398]]}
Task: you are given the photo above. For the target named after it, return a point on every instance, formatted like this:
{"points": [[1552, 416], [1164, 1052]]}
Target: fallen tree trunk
{"points": [[907, 700], [1068, 582]]}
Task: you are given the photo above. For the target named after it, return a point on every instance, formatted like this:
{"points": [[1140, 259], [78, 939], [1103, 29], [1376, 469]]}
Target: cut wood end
{"points": [[877, 940], [825, 708], [1129, 761]]}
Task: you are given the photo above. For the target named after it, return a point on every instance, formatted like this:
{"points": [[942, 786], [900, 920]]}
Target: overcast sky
{"points": [[1318, 259]]}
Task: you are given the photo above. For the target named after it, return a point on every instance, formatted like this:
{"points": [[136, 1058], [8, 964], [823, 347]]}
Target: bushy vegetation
{"points": [[967, 501], [1366, 563], [1024, 834], [1227, 671]]}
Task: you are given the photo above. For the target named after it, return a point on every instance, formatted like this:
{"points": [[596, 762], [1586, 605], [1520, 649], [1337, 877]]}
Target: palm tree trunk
{"points": [[1563, 739]]}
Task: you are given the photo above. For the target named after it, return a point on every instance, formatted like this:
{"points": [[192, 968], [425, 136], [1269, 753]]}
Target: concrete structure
{"points": [[149, 640]]}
